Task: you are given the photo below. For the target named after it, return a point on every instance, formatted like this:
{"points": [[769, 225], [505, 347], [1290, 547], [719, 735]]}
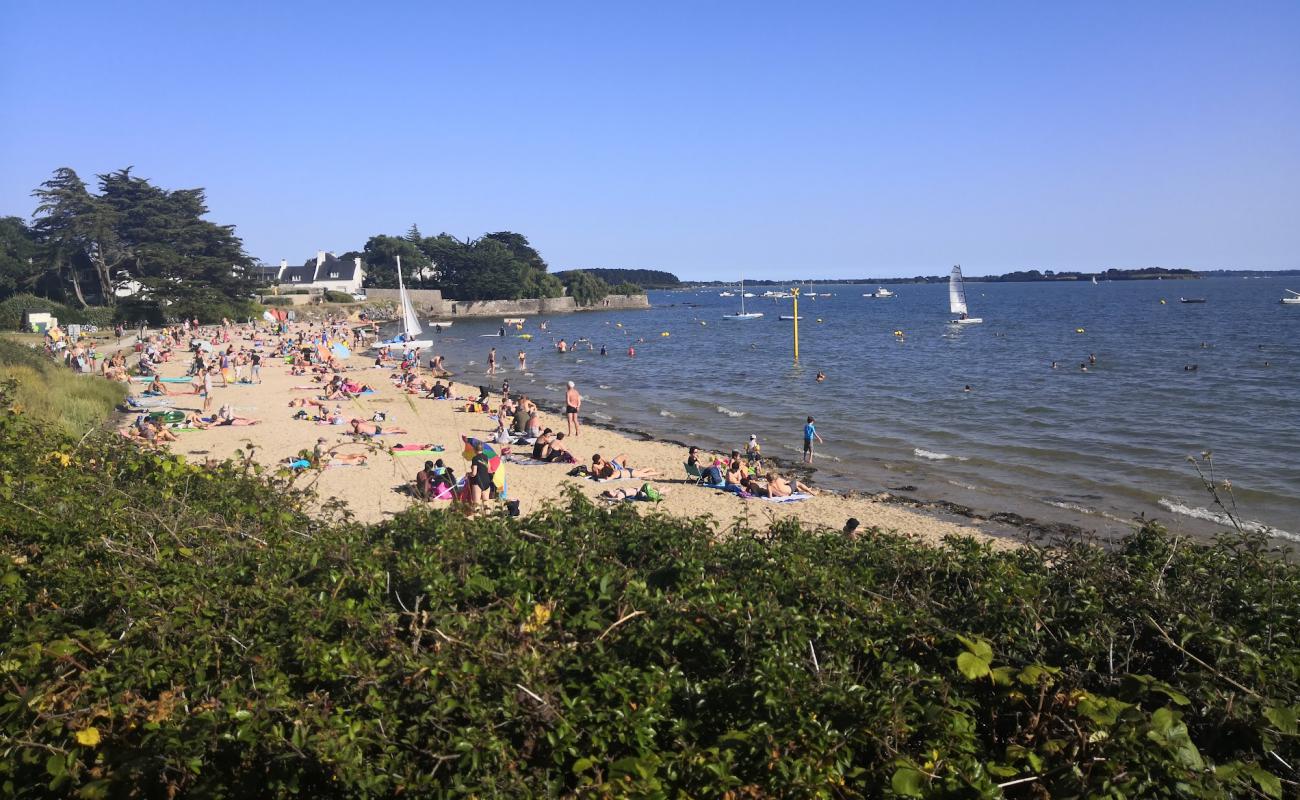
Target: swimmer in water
{"points": [[631, 352], [1054, 365], [1190, 368], [1092, 358], [967, 389], [821, 376], [1083, 367]]}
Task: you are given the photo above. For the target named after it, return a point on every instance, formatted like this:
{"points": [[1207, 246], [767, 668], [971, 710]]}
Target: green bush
{"points": [[296, 291], [277, 301], [203, 634], [332, 296], [12, 308], [627, 289]]}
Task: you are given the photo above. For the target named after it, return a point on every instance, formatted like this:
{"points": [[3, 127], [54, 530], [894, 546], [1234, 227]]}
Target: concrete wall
{"points": [[532, 308], [427, 298]]}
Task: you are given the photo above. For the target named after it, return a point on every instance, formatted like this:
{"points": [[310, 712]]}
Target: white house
{"points": [[326, 273]]}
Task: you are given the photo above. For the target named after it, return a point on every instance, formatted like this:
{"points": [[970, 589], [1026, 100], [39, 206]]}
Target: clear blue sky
{"points": [[777, 140]]}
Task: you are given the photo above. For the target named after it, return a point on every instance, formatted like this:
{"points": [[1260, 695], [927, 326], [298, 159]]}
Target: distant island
{"points": [[1031, 276]]}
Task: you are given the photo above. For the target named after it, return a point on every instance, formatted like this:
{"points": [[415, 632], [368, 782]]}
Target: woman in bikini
{"points": [[617, 467]]}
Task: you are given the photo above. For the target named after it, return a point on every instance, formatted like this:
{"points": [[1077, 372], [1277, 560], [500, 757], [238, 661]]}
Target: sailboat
{"points": [[410, 323], [1094, 280], [742, 314], [957, 299], [1293, 300]]}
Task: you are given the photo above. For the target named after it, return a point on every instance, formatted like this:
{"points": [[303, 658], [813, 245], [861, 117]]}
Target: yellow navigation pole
{"points": [[795, 291]]}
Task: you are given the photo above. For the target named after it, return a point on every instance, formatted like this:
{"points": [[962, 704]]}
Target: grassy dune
{"points": [[48, 391]]}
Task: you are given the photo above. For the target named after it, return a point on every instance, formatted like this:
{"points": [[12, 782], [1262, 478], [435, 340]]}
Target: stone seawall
{"points": [[448, 308], [429, 298]]}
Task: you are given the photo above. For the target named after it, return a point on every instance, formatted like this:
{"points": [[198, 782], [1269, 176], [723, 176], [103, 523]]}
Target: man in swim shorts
{"points": [[572, 402]]}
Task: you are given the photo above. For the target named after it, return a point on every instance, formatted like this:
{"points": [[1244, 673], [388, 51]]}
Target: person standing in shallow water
{"points": [[809, 434], [572, 402]]}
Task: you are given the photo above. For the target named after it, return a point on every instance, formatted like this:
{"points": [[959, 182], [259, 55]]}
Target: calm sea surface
{"points": [[1094, 448]]}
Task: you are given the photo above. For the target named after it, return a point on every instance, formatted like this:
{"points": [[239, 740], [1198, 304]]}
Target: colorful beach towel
{"points": [[794, 498]]}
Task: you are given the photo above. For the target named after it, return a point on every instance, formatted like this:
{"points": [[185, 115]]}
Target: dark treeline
{"points": [[645, 278], [1020, 276]]}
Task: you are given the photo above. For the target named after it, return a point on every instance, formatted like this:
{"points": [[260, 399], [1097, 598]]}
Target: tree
{"points": [[519, 248], [133, 232], [18, 252], [381, 254], [76, 232], [585, 289], [413, 234]]}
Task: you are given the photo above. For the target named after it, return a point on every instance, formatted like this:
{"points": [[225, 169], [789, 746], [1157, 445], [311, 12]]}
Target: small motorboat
{"points": [[1293, 300], [440, 324], [881, 293], [789, 317], [1191, 299], [510, 321]]}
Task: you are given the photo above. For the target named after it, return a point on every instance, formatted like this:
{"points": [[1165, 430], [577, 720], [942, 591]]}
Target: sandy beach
{"points": [[373, 491]]}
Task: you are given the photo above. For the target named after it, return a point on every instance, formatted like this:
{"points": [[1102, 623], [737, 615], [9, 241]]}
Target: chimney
{"points": [[320, 257]]}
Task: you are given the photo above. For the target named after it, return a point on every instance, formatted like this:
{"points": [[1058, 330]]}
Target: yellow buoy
{"points": [[665, 333], [1078, 330], [819, 319], [1162, 302], [618, 324], [898, 333]]}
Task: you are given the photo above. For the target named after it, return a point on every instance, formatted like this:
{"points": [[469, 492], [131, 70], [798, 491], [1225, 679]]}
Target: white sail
{"points": [[956, 294], [410, 323]]}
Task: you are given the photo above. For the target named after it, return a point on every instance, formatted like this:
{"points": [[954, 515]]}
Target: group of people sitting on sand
{"points": [[742, 475]]}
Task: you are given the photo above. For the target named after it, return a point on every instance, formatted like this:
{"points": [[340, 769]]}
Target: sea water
{"points": [[1095, 447]]}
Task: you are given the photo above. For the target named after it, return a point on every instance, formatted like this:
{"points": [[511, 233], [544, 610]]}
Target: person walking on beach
{"points": [[809, 434], [572, 402], [207, 389], [492, 361]]}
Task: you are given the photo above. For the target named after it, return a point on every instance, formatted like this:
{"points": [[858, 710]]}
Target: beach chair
{"points": [[694, 472]]}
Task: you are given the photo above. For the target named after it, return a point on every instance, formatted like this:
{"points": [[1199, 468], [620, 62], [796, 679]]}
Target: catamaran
{"points": [[1293, 300], [742, 314], [410, 323], [957, 299]]}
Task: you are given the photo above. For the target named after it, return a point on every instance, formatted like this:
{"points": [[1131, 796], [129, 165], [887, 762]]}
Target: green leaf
{"points": [[583, 764], [1284, 719], [1268, 783], [907, 782], [972, 666]]}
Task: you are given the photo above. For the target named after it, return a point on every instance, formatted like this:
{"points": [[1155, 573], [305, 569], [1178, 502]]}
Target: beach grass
{"points": [[47, 390]]}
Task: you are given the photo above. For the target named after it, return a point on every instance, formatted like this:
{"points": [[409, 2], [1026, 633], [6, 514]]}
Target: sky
{"points": [[712, 140]]}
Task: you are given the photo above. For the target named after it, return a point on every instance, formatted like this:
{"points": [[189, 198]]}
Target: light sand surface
{"points": [[371, 490]]}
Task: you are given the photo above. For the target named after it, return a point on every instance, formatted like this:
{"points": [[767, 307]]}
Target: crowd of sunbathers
{"points": [[745, 475]]}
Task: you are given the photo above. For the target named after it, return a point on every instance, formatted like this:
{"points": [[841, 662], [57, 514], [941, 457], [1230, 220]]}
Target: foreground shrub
{"points": [[200, 633], [332, 296]]}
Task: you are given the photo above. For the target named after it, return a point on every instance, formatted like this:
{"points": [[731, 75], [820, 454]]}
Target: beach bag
{"points": [[564, 458], [650, 493]]}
